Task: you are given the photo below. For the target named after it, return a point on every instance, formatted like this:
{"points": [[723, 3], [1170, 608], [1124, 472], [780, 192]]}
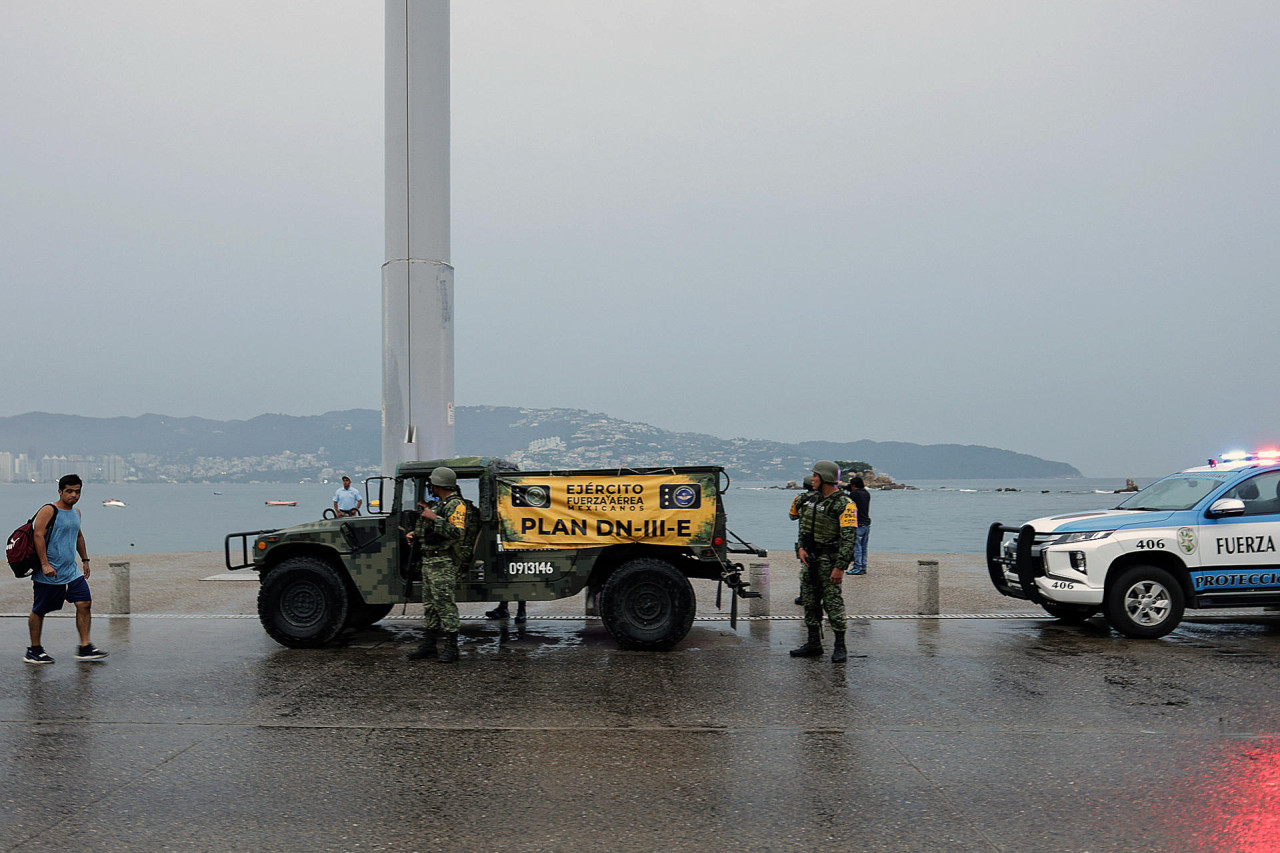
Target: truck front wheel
{"points": [[1145, 602], [303, 603], [646, 604]]}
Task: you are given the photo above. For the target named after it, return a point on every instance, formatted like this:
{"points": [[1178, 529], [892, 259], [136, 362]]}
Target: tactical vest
{"points": [[820, 519], [802, 499], [438, 546]]}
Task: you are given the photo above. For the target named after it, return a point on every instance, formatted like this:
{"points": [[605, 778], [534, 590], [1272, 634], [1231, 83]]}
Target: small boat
{"points": [[282, 503], [114, 502], [217, 493]]}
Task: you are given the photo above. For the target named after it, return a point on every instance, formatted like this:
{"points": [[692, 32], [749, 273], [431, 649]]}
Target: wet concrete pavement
{"points": [[956, 734]]}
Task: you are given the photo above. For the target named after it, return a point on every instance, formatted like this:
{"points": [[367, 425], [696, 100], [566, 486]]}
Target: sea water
{"points": [[937, 517]]}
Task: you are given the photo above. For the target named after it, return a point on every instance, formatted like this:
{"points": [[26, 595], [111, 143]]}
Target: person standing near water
{"points": [[862, 500], [347, 501]]}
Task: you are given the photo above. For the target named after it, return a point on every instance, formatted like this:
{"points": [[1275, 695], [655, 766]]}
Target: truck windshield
{"points": [[1171, 493]]}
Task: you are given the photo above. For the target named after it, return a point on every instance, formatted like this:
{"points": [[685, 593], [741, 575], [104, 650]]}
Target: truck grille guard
{"points": [[246, 558], [1026, 562]]}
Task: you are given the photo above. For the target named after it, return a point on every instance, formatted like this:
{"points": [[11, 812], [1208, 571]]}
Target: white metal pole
{"points": [[417, 278]]}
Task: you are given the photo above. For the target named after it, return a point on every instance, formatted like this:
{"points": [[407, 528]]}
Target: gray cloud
{"points": [[1042, 227]]}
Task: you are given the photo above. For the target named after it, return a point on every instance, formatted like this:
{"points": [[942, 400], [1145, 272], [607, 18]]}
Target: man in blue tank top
{"points": [[58, 540]]}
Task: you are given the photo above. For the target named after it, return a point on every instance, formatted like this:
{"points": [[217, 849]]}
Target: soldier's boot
{"points": [[811, 649], [521, 616], [426, 651], [840, 654], [449, 651]]}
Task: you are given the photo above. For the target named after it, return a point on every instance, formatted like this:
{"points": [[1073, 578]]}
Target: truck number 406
{"points": [[1150, 543]]}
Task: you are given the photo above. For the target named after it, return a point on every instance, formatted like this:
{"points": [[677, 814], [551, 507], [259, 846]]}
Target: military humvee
{"points": [[631, 537]]}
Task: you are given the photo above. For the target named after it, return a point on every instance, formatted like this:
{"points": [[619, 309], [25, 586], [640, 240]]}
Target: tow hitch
{"points": [[731, 576]]}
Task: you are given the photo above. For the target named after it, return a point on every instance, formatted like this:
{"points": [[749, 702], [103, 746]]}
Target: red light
{"points": [[718, 541]]}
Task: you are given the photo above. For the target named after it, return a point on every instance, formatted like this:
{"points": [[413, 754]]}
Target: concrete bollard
{"points": [[758, 577], [118, 600], [927, 588]]}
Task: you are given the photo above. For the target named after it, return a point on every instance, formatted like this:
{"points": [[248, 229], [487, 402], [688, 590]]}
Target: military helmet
{"points": [[827, 471], [443, 477]]}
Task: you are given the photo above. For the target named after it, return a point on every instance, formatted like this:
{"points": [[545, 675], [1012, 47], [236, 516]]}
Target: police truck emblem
{"points": [[1187, 540]]}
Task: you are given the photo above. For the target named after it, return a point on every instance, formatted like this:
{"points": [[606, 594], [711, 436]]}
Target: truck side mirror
{"points": [[1225, 507]]}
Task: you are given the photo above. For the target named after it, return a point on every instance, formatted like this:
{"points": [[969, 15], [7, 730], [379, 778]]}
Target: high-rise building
{"points": [[6, 466], [112, 468], [54, 468]]}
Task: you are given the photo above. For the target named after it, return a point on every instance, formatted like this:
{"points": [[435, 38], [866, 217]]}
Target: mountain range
{"points": [[533, 438]]}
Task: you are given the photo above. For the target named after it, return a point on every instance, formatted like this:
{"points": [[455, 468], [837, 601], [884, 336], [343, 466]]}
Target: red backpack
{"points": [[21, 550]]}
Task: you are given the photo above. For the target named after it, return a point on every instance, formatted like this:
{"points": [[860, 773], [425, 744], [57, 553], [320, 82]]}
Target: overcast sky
{"points": [[1045, 227]]}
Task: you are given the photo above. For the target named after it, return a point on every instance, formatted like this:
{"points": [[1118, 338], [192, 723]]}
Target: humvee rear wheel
{"points": [[1069, 612], [303, 603], [646, 604], [1145, 602]]}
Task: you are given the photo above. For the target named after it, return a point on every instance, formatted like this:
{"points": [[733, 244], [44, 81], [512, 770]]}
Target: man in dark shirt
{"points": [[862, 500]]}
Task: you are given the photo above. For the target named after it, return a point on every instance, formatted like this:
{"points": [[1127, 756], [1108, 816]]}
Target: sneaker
{"points": [[90, 652], [36, 654], [856, 572]]}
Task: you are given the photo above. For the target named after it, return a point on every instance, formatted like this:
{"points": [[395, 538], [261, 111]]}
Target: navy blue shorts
{"points": [[50, 596]]}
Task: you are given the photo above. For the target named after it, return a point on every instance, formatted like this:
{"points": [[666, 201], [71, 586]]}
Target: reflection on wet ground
{"points": [[1012, 734]]}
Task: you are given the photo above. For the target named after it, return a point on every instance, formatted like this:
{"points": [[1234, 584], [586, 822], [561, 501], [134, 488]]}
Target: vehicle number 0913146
{"points": [[1154, 544]]}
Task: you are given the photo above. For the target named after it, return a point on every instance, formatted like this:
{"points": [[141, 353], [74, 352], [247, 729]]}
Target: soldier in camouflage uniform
{"points": [[828, 532], [439, 534], [806, 497]]}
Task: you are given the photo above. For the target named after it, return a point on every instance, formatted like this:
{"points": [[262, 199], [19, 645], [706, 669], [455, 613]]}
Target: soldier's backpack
{"points": [[21, 550]]}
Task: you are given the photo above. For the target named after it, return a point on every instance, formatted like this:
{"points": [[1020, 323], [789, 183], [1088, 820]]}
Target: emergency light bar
{"points": [[1268, 456]]}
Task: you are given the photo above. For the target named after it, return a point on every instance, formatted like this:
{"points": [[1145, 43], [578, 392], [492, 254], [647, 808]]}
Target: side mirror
{"points": [[376, 499], [1226, 507]]}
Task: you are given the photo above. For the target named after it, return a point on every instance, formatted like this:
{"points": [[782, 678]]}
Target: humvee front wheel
{"points": [[646, 604], [303, 603], [1145, 602]]}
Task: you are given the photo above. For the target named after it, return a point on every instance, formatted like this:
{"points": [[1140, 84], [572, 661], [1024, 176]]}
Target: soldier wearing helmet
{"points": [[439, 534], [828, 532]]}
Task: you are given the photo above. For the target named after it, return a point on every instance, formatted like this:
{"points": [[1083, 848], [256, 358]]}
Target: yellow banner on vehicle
{"points": [[585, 510]]}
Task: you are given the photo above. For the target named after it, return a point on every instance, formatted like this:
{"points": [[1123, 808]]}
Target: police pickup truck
{"points": [[1201, 538]]}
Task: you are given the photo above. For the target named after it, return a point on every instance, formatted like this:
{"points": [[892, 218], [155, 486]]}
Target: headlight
{"points": [[1089, 536]]}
